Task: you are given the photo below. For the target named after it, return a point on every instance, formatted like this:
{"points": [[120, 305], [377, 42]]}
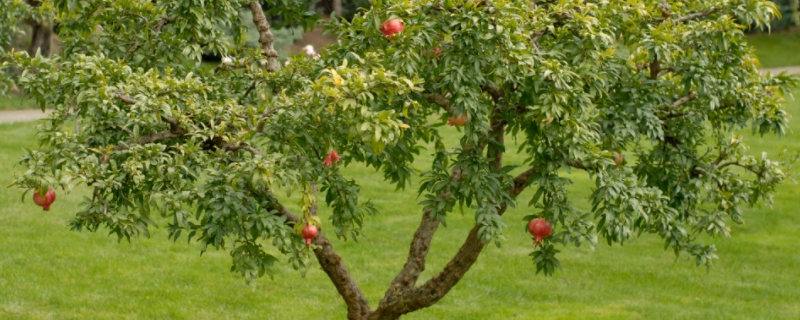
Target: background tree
{"points": [[789, 15], [577, 83]]}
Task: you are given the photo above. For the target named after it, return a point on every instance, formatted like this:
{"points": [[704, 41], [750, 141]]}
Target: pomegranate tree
{"points": [[542, 85], [44, 198]]}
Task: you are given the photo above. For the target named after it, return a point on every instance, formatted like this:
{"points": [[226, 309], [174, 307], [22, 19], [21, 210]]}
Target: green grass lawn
{"points": [[777, 49], [16, 102], [49, 272]]}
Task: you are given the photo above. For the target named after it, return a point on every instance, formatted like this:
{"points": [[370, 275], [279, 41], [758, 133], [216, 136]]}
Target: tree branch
{"points": [[441, 101], [124, 98], [163, 22], [149, 139], [496, 145], [672, 114], [579, 165], [175, 130], [249, 89], [418, 252], [438, 286], [696, 15], [265, 37], [655, 68], [666, 10], [241, 146], [683, 100], [263, 121], [535, 39], [495, 92], [331, 263]]}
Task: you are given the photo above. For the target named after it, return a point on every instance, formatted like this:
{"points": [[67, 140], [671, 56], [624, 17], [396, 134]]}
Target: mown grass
{"points": [[49, 272], [777, 49], [16, 102]]}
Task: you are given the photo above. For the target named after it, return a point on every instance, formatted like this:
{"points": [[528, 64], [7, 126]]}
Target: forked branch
{"points": [[437, 287]]}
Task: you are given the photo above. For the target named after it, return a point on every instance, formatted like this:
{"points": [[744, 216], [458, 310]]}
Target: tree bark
{"points": [[357, 305], [337, 7], [41, 35], [266, 37], [41, 38]]}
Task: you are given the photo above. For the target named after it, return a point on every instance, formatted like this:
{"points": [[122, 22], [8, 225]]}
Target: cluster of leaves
{"points": [[11, 17], [657, 79], [572, 81]]}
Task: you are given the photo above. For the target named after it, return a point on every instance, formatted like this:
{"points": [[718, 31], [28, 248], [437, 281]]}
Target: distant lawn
{"points": [[16, 102], [777, 49], [47, 271]]}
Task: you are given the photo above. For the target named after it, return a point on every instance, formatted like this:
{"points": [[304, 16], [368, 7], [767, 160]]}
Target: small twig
{"points": [[250, 88], [535, 39], [263, 121], [148, 139], [163, 22], [128, 131], [313, 210], [683, 100], [440, 101], [696, 15], [241, 146], [124, 98], [666, 10], [493, 91]]}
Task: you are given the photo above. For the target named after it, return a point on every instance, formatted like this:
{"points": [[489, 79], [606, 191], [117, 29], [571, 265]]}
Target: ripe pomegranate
{"points": [[309, 232], [540, 229], [332, 158], [436, 51], [391, 27], [617, 159], [44, 200], [458, 121]]}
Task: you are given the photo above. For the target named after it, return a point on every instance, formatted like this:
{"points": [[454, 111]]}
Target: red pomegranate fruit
{"points": [[436, 51], [540, 229], [618, 159], [391, 27], [44, 199], [309, 232], [458, 121]]}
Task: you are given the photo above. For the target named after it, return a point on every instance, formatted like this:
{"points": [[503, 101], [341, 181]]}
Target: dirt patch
{"points": [[777, 70], [315, 38], [22, 115]]}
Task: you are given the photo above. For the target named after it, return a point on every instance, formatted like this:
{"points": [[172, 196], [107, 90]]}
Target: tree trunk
{"points": [[41, 34], [337, 7], [41, 38]]}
